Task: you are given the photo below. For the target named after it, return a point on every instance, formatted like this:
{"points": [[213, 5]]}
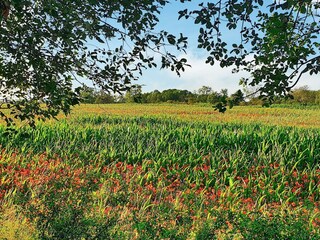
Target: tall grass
{"points": [[116, 175], [133, 139]]}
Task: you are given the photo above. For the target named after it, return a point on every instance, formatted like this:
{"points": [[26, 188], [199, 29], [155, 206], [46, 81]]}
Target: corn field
{"points": [[163, 172]]}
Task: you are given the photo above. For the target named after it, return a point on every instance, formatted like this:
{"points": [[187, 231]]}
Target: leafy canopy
{"points": [[278, 40], [48, 45]]}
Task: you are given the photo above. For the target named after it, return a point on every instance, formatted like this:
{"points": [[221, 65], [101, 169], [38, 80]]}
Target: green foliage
{"points": [[175, 95], [102, 97], [45, 47], [304, 96], [203, 95], [89, 95], [134, 95], [237, 97], [255, 227], [278, 41], [277, 228]]}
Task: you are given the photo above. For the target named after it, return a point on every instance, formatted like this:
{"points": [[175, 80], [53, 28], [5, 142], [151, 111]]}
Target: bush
{"points": [[230, 226]]}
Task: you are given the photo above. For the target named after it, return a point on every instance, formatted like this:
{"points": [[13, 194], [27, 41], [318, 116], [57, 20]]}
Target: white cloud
{"points": [[193, 78]]}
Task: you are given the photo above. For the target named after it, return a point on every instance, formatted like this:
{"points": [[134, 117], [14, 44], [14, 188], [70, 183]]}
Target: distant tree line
{"points": [[305, 96], [205, 94], [300, 96]]}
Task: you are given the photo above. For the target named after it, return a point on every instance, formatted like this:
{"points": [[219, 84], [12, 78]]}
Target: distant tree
{"points": [[236, 98], [154, 97], [134, 95], [222, 103], [87, 95], [175, 95], [90, 95], [184, 95], [224, 93], [205, 90], [317, 101], [102, 97], [214, 98], [119, 98], [203, 94], [170, 95], [304, 96]]}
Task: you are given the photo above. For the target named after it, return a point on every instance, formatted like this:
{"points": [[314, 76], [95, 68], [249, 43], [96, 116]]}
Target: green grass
{"points": [[158, 176]]}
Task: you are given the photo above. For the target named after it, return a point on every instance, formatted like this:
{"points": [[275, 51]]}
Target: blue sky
{"points": [[200, 73]]}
